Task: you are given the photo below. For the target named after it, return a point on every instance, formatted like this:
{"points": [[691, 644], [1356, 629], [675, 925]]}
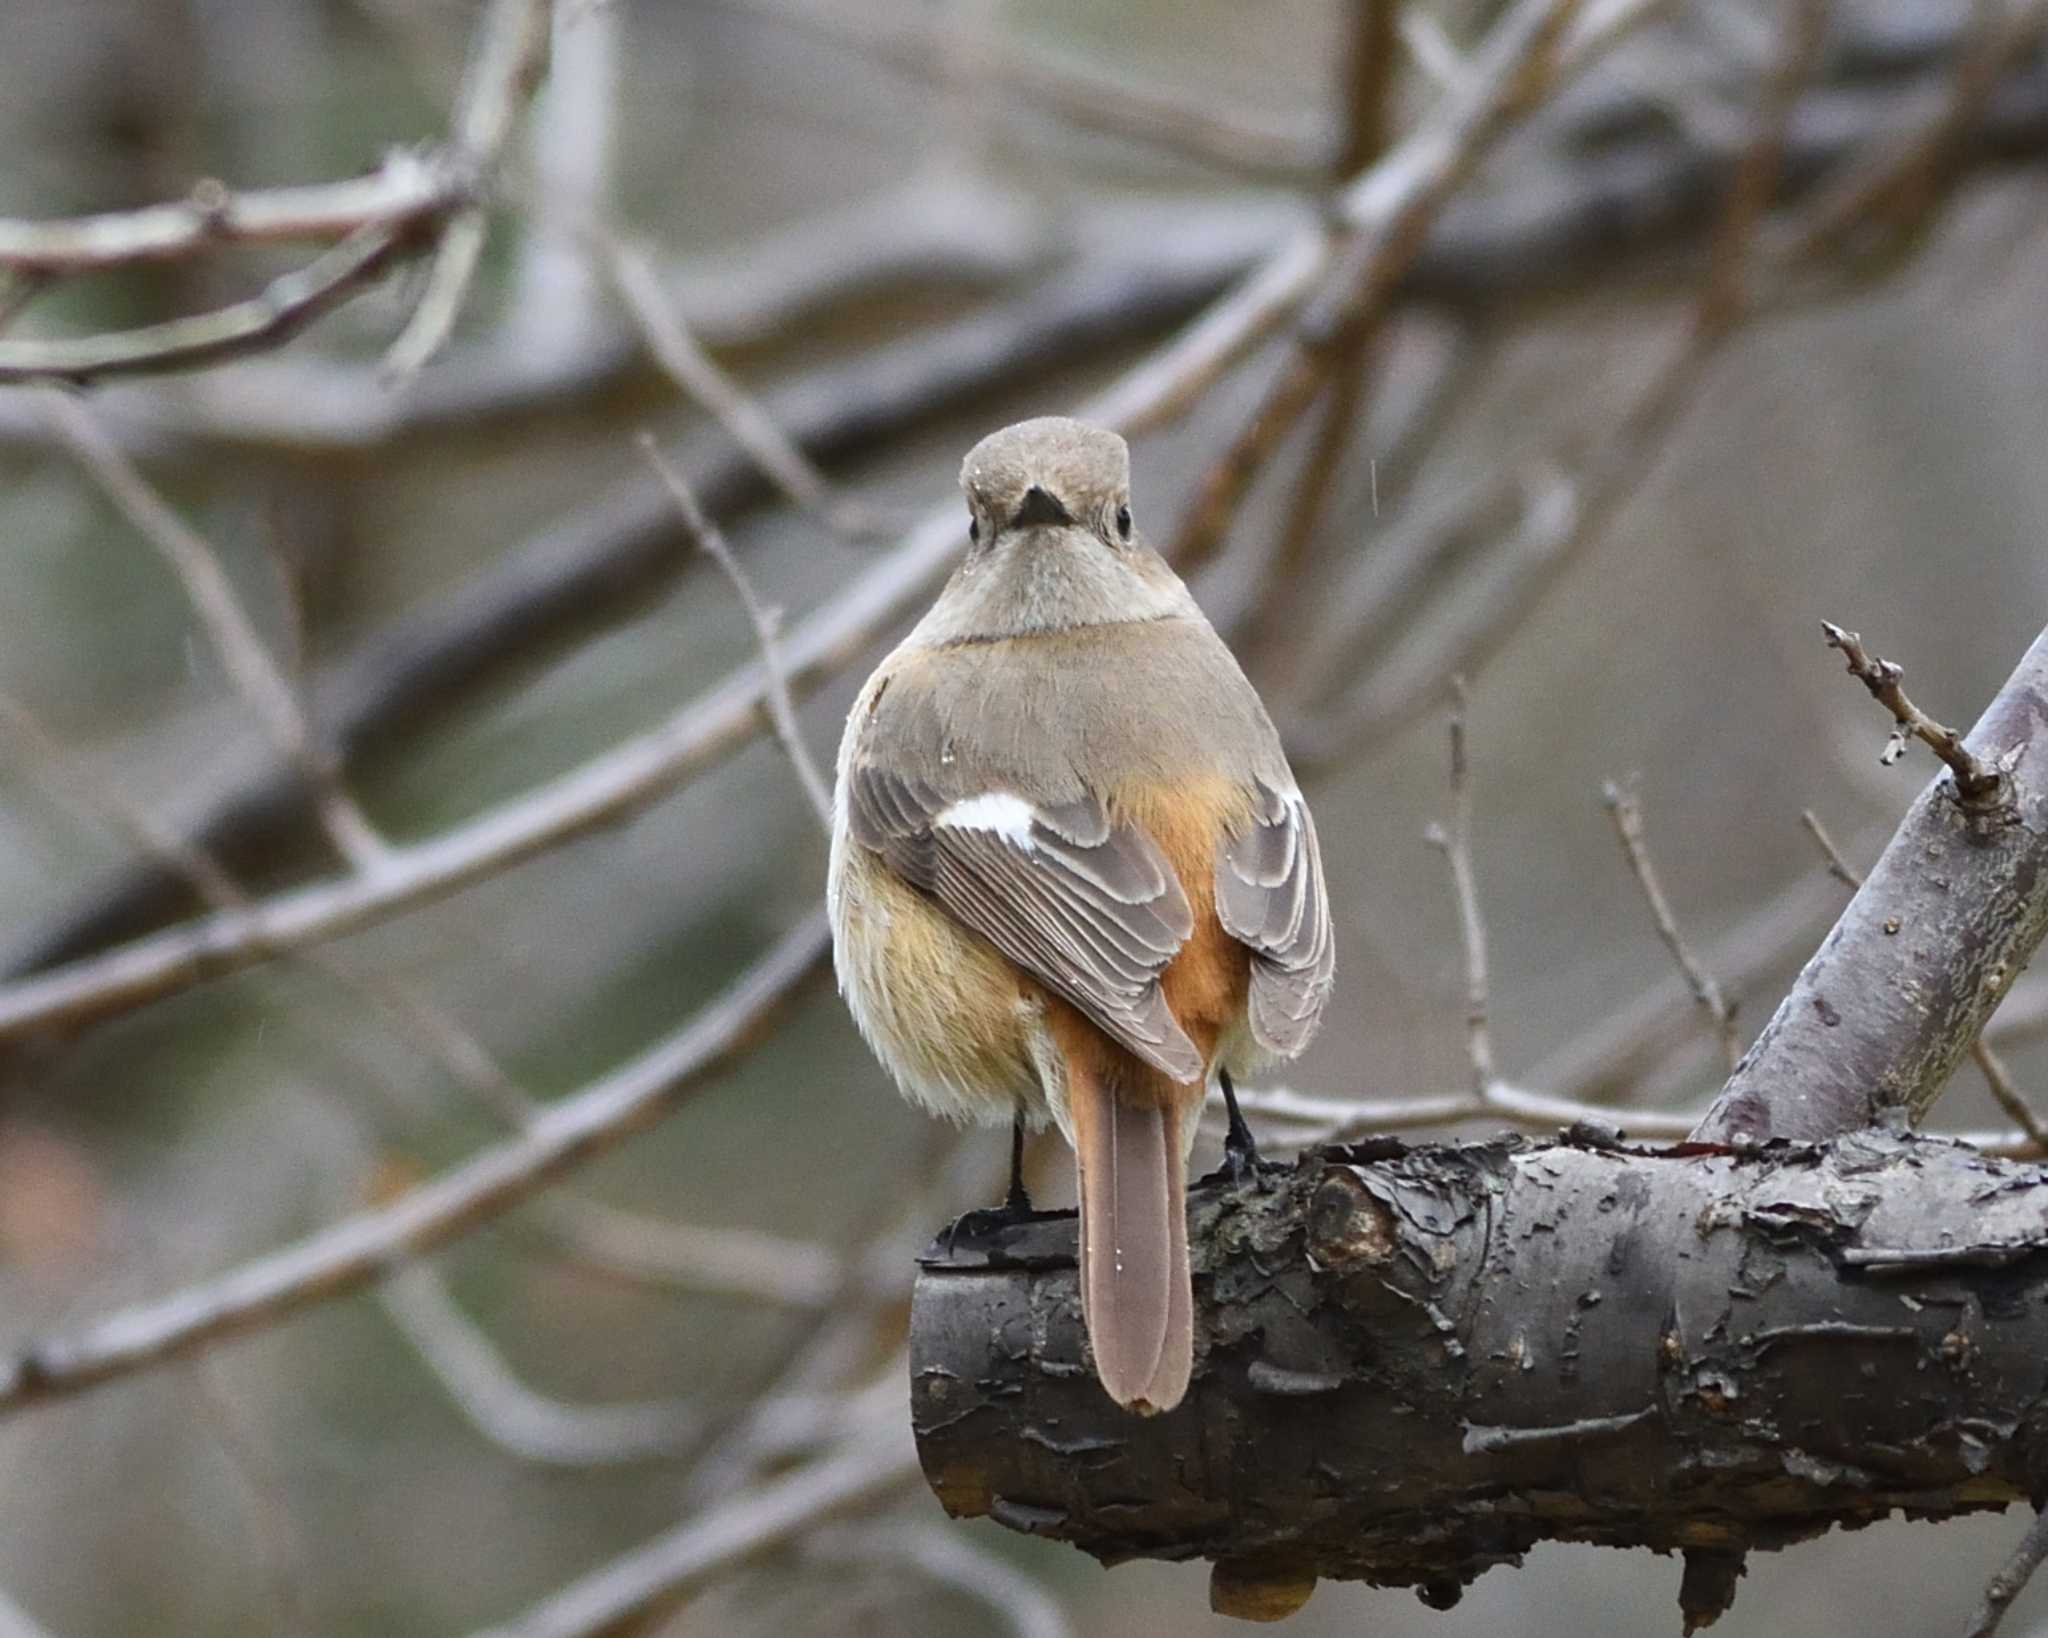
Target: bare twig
{"points": [[1896, 187], [1977, 781], [872, 1460], [1519, 61], [508, 59], [1431, 49], [529, 1425], [1627, 813], [375, 1242], [1997, 1075], [948, 1557], [552, 308], [676, 1256], [781, 707], [1455, 842], [1341, 1120], [2010, 1580], [249, 662], [409, 189], [738, 411], [726, 1261], [1074, 91], [1820, 1068], [1368, 92], [1724, 296], [285, 306]]}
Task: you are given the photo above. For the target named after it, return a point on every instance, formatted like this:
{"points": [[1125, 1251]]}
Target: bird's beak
{"points": [[1038, 507]]}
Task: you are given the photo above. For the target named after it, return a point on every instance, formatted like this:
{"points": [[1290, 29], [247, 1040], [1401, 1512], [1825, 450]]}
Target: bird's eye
{"points": [[1123, 522], [974, 528]]}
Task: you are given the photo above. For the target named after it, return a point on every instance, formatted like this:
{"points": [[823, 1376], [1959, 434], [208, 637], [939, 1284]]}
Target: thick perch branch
{"points": [[1416, 1364], [1948, 917]]}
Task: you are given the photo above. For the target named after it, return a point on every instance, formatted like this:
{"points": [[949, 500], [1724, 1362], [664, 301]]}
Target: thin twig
{"points": [[2010, 1579], [1997, 1075], [871, 1461], [249, 662], [284, 307], [1627, 814], [1977, 780], [1339, 1120], [507, 61], [764, 620], [529, 1425], [407, 190], [1268, 647], [742, 415], [1454, 841], [1077, 92], [947, 1556], [373, 1243], [1724, 296], [675, 1256], [1521, 59], [1896, 187]]}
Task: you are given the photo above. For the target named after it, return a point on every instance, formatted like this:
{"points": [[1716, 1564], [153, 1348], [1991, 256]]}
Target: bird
{"points": [[1073, 879]]}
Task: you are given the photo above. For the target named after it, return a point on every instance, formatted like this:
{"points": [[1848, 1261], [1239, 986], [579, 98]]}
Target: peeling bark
{"points": [[1415, 1364], [1943, 924]]}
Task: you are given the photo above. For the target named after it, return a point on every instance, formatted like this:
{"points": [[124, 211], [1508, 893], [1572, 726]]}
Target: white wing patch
{"points": [[1009, 817]]}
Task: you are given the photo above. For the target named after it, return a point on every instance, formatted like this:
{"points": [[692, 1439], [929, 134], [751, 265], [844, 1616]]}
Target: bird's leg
{"points": [[1240, 1148], [1016, 1206]]}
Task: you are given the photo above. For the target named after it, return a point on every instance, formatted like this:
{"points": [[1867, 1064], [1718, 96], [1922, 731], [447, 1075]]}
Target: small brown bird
{"points": [[1072, 874]]}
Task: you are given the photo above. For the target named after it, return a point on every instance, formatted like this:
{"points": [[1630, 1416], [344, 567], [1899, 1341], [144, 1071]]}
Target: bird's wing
{"points": [[1090, 908], [1270, 897]]}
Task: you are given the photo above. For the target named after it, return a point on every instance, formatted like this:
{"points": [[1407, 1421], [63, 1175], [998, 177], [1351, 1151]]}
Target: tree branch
{"points": [[375, 1242], [286, 306], [869, 1462], [510, 54], [407, 190], [1950, 914], [1695, 1358]]}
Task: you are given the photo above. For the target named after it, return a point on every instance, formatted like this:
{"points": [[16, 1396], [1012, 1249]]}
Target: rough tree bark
{"points": [[1417, 1363], [1414, 1364]]}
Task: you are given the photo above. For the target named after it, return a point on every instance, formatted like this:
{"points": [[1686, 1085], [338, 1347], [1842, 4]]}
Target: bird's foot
{"points": [[1241, 1161]]}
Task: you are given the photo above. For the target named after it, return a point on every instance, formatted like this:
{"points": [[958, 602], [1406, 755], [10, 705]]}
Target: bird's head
{"points": [[1053, 545]]}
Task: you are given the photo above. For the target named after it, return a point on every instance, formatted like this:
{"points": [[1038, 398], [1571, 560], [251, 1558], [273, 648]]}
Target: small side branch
{"points": [[250, 665], [1455, 843], [780, 704], [1977, 780], [511, 52], [284, 307], [373, 1243], [1627, 814], [1950, 915]]}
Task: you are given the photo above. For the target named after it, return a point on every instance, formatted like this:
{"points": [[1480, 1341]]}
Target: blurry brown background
{"points": [[821, 188]]}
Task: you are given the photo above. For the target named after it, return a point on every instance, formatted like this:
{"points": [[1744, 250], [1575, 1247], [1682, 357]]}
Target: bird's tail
{"points": [[1135, 1293]]}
